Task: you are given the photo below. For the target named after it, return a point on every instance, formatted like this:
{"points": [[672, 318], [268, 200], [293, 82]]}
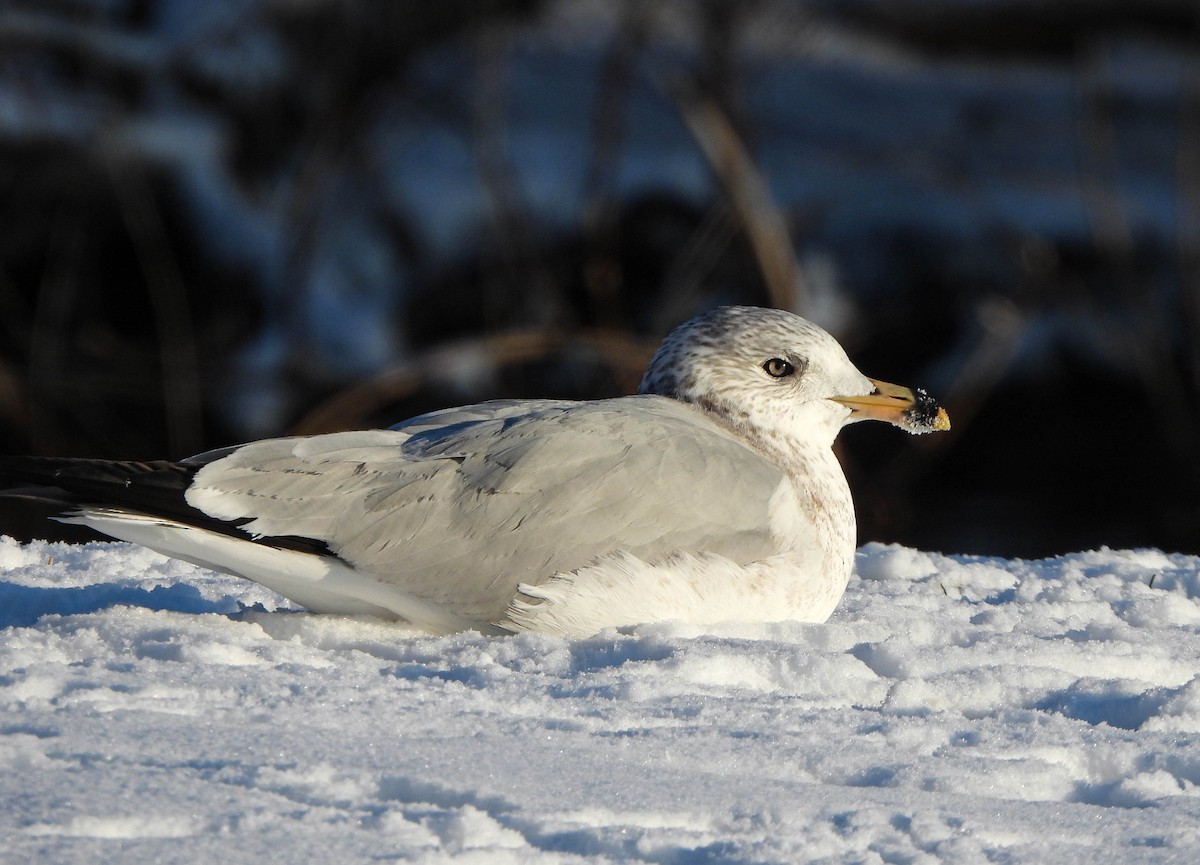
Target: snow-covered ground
{"points": [[954, 709]]}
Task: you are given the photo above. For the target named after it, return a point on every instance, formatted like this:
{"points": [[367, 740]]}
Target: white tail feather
{"points": [[323, 584]]}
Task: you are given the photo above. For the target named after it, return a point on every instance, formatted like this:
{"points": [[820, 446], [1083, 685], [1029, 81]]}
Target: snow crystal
{"points": [[955, 709]]}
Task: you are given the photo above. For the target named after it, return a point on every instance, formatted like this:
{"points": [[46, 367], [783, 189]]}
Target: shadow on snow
{"points": [[24, 606]]}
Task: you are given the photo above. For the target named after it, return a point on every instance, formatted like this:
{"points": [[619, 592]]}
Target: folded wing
{"points": [[441, 519], [460, 507]]}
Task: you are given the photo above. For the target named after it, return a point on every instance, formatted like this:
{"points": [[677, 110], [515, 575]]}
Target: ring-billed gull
{"points": [[711, 495]]}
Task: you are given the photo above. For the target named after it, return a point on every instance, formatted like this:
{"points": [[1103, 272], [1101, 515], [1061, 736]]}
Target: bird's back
{"points": [[460, 513]]}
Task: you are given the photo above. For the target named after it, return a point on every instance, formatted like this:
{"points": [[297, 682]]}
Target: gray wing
{"points": [[461, 506], [447, 422]]}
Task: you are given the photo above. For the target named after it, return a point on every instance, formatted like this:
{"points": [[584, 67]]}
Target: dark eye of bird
{"points": [[777, 367]]}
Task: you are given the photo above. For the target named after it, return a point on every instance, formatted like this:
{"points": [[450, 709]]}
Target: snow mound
{"points": [[956, 709]]}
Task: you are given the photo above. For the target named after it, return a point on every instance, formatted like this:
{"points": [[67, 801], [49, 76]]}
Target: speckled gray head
{"points": [[774, 371]]}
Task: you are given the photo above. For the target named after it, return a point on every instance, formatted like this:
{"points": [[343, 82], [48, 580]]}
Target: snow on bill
{"points": [[954, 709]]}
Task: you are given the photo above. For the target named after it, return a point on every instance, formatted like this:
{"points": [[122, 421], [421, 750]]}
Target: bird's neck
{"points": [[812, 523], [821, 517], [822, 496]]}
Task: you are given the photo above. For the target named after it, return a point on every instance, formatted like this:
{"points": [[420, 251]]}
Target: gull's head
{"points": [[775, 376]]}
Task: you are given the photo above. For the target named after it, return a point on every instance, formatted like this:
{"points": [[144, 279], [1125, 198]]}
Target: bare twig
{"points": [[762, 220], [513, 245], [626, 356], [602, 277], [1138, 335], [170, 306], [698, 257], [14, 399], [48, 346], [1188, 234], [107, 48]]}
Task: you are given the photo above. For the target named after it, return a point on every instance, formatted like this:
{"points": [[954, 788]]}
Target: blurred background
{"points": [[240, 218]]}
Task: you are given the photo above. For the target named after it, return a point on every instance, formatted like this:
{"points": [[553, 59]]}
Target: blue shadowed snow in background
{"points": [[230, 220]]}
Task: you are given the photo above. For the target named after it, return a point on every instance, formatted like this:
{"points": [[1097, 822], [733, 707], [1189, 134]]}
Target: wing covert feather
{"points": [[498, 498]]}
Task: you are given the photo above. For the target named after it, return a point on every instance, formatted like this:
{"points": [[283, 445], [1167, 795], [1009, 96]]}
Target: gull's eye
{"points": [[777, 367]]}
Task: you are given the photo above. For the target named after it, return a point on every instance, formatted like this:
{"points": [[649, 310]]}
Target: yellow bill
{"points": [[915, 411]]}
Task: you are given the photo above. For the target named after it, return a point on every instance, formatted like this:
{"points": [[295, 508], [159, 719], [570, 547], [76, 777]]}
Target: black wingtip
{"points": [[35, 490], [50, 487], [31, 513], [155, 486]]}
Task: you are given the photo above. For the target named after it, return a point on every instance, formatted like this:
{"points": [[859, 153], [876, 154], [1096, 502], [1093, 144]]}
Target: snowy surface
{"points": [[954, 709]]}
